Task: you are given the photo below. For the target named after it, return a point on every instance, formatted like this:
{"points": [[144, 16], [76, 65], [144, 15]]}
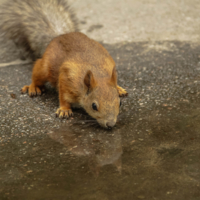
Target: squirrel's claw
{"points": [[64, 112], [24, 89], [123, 94]]}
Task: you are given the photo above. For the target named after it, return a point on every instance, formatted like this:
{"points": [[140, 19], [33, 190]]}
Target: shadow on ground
{"points": [[152, 153]]}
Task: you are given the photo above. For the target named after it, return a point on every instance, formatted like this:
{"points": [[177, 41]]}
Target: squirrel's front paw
{"points": [[122, 92], [64, 112]]}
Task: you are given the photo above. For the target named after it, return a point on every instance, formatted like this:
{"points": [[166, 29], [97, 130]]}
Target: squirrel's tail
{"points": [[32, 24]]}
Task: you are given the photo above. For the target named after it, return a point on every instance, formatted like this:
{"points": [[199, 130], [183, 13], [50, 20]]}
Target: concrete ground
{"points": [[153, 152]]}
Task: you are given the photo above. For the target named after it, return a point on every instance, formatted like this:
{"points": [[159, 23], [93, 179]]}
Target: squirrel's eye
{"points": [[120, 103], [94, 106]]}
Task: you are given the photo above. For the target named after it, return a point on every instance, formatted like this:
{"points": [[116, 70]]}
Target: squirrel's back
{"points": [[32, 24]]}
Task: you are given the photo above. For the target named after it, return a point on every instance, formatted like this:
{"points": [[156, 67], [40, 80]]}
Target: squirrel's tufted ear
{"points": [[114, 77], [89, 81]]}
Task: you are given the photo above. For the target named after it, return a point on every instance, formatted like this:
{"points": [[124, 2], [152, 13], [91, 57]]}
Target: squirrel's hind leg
{"points": [[122, 92], [39, 78]]}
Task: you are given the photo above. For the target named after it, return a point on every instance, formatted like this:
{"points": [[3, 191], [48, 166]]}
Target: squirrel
{"points": [[80, 68]]}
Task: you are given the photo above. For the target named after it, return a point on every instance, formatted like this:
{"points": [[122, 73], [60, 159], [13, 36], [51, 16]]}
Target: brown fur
{"points": [[84, 73]]}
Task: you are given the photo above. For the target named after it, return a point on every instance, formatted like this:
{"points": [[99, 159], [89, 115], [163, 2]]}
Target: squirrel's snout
{"points": [[110, 124]]}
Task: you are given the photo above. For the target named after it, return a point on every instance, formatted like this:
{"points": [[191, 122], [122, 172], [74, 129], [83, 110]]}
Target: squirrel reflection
{"points": [[101, 148]]}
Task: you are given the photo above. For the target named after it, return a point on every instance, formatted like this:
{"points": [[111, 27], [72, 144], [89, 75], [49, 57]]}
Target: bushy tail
{"points": [[32, 24]]}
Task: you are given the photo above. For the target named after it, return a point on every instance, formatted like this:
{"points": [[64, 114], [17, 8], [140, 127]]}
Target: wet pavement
{"points": [[152, 153]]}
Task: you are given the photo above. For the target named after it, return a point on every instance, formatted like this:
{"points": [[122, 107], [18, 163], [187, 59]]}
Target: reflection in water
{"points": [[100, 148]]}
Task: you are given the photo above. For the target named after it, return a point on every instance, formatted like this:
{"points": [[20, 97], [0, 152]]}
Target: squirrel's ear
{"points": [[114, 77], [89, 81]]}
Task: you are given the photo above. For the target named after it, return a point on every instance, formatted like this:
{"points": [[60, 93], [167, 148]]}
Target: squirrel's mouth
{"points": [[107, 124]]}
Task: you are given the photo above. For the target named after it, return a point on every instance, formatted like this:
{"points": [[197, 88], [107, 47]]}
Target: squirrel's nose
{"points": [[110, 124]]}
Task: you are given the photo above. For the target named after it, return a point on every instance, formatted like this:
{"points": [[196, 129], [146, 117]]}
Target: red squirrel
{"points": [[80, 68]]}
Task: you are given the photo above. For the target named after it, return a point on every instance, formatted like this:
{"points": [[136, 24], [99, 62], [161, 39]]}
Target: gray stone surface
{"points": [[152, 153], [139, 20]]}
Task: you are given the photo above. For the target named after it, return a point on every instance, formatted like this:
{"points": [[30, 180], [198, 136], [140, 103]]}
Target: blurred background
{"points": [[112, 21]]}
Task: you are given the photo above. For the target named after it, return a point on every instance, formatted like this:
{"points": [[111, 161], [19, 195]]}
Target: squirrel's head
{"points": [[102, 100]]}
